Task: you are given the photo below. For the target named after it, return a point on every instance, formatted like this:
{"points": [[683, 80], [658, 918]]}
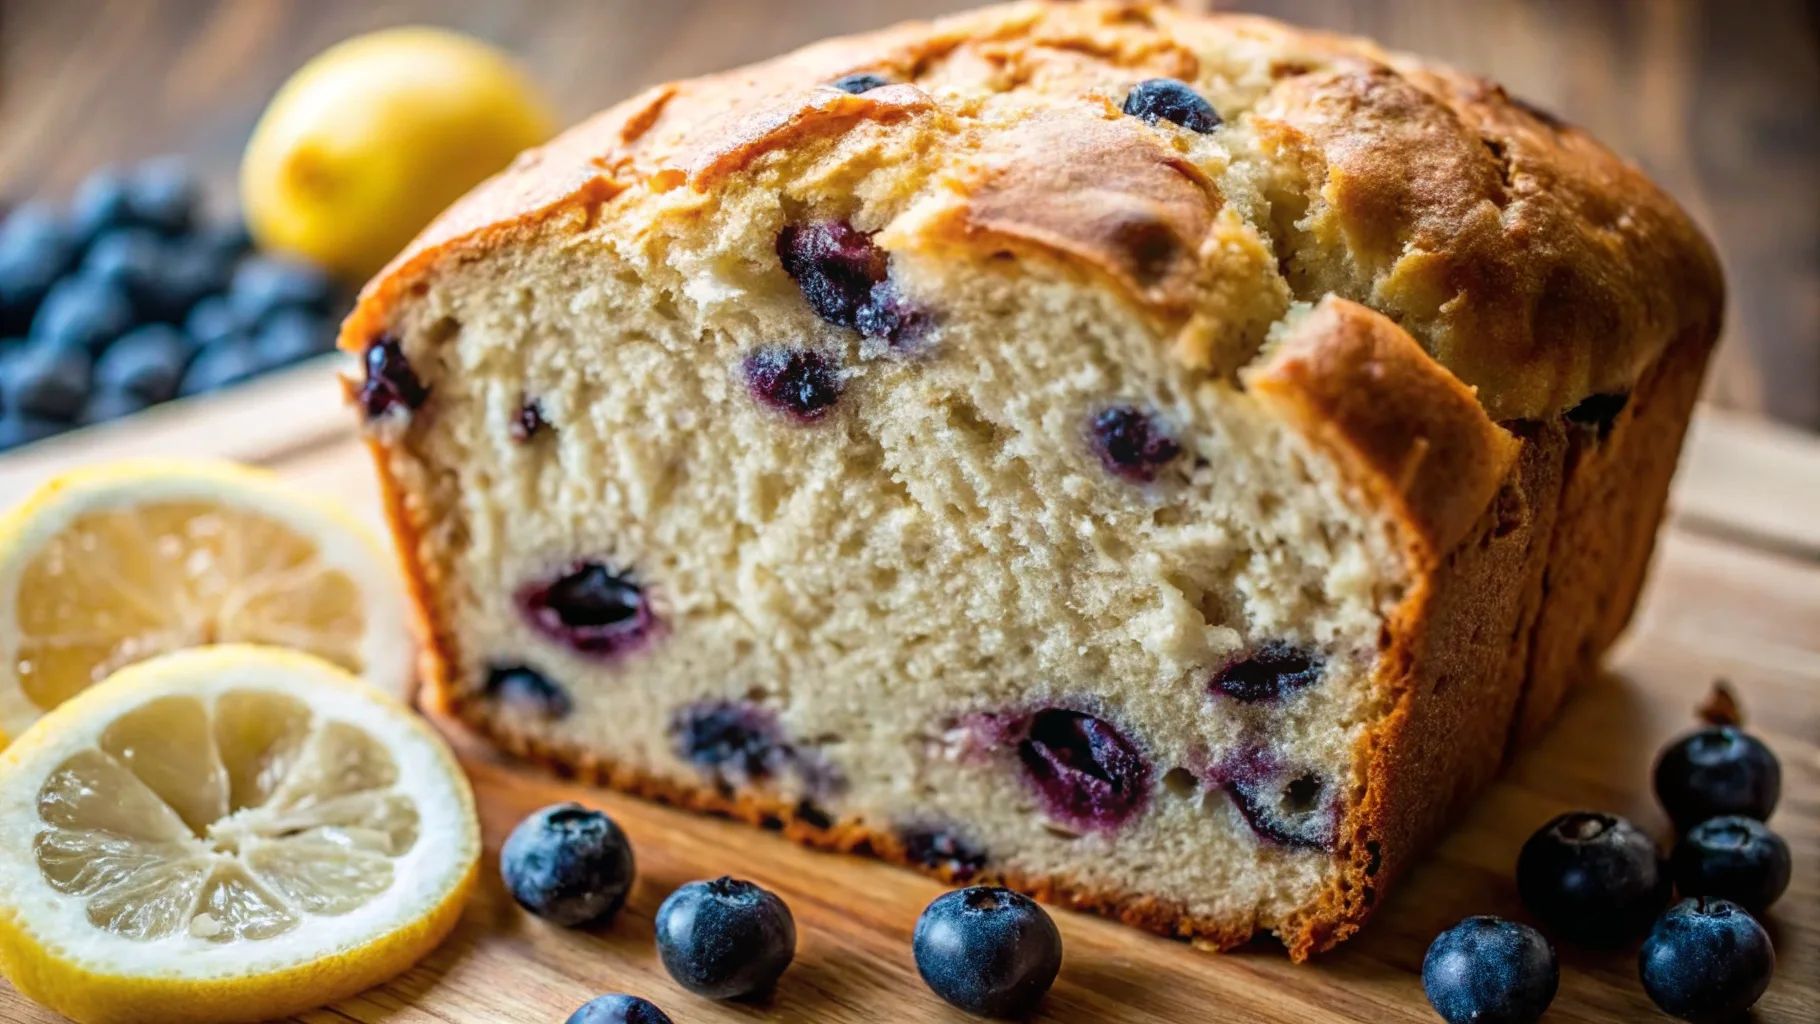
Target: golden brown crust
{"points": [[1480, 655], [728, 145], [1535, 265], [1616, 474], [1462, 494], [1529, 260], [1414, 437], [1451, 678], [1123, 202]]}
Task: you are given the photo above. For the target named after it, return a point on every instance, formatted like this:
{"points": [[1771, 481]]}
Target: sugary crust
{"points": [[1528, 259], [1516, 269]]}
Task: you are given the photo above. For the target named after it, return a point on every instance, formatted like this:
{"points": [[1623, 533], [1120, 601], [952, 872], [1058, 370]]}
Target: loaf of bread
{"points": [[1160, 462]]}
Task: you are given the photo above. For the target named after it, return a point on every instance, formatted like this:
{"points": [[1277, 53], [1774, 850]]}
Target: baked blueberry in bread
{"points": [[1159, 462]]}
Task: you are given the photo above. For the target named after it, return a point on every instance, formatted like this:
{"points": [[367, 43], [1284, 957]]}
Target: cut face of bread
{"points": [[971, 472]]}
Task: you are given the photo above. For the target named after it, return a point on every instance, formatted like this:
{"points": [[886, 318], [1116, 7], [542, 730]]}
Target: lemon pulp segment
{"points": [[232, 821]]}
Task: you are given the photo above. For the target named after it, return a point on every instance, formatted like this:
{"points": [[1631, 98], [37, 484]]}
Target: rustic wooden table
{"points": [[1718, 99], [1735, 594]]}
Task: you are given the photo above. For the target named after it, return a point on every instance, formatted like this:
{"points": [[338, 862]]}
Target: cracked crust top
{"points": [[1526, 258]]}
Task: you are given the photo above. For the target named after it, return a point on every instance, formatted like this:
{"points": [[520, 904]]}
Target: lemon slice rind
{"points": [[53, 954], [342, 544]]}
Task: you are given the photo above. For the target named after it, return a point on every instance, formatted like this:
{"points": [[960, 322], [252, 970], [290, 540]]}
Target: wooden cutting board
{"points": [[1735, 594]]}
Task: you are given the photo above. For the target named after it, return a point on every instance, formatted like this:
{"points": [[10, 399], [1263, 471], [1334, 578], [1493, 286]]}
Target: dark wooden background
{"points": [[1718, 99]]}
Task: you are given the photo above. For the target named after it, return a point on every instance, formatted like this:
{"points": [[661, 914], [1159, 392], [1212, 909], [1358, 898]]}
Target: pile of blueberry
{"points": [[987, 950], [1596, 879], [128, 297]]}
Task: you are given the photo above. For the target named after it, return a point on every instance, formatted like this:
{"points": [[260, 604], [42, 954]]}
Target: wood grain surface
{"points": [[1718, 99], [1735, 594]]}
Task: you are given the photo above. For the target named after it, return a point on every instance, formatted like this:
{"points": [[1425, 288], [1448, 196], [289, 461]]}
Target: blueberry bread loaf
{"points": [[1157, 461]]}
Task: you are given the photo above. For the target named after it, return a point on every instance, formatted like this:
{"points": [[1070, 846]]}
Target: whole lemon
{"points": [[375, 136]]}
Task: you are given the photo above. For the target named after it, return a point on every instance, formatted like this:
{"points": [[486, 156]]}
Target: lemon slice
{"points": [[109, 565], [230, 833]]}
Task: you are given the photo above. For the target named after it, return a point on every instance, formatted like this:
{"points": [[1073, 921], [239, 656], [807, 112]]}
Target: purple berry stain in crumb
{"points": [[941, 849], [1285, 805], [737, 741], [390, 382], [1086, 772], [1131, 444], [797, 381], [589, 608], [1272, 672], [529, 422], [890, 316], [846, 279], [527, 689]]}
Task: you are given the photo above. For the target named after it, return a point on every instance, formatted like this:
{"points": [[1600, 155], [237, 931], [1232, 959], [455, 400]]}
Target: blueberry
{"points": [[220, 365], [1733, 858], [130, 259], [1486, 970], [1706, 960], [943, 851], [1084, 770], [860, 81], [163, 194], [48, 380], [262, 284], [1272, 672], [989, 951], [292, 335], [147, 361], [99, 206], [1593, 878], [106, 404], [83, 313], [523, 687], [568, 865], [725, 939], [528, 423], [835, 265], [589, 608], [391, 385], [1283, 804], [188, 275], [736, 741], [1169, 99], [36, 249], [1717, 771], [226, 241], [887, 314], [618, 1008], [797, 381], [213, 320], [1131, 444], [17, 429], [846, 279]]}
